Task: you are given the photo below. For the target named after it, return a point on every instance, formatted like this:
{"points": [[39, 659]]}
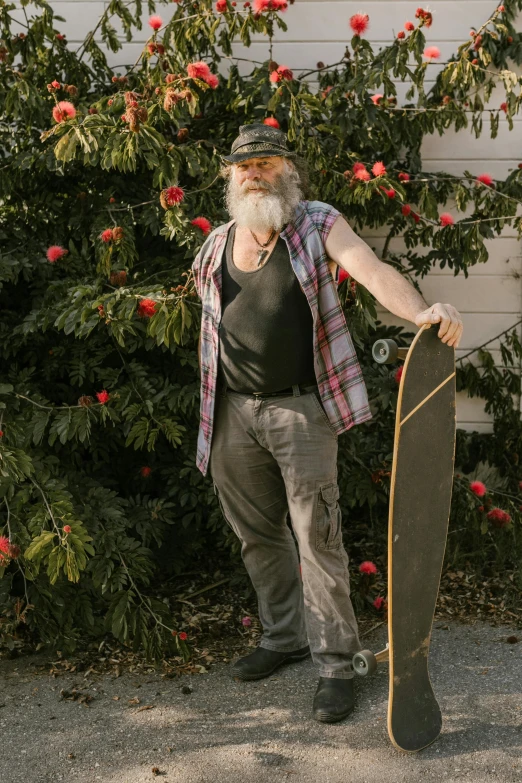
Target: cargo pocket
{"points": [[328, 534], [226, 516]]}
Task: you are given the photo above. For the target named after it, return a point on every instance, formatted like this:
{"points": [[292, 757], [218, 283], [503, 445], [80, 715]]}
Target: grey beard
{"points": [[263, 213]]}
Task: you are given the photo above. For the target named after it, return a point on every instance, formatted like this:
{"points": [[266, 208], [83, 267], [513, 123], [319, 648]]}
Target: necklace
{"points": [[262, 254]]}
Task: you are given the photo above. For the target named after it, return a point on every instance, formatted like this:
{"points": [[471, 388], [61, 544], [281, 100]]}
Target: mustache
{"points": [[247, 186]]}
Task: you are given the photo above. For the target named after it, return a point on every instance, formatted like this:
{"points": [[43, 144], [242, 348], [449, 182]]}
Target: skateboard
{"points": [[420, 496]]}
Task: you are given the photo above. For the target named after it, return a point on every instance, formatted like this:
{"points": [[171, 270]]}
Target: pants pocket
{"points": [[319, 407], [328, 533]]}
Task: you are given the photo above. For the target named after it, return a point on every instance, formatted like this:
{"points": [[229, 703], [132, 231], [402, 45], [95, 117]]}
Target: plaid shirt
{"points": [[337, 371]]}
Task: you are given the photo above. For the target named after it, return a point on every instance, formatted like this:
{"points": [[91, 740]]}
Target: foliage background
{"points": [[121, 473]]}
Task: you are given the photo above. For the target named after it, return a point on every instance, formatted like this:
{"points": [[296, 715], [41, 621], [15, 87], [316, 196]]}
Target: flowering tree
{"points": [[110, 182]]}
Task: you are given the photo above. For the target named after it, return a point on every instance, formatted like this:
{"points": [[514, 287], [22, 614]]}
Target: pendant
{"points": [[261, 255]]}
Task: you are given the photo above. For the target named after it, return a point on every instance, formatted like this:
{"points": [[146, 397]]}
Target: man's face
{"points": [[252, 173]]}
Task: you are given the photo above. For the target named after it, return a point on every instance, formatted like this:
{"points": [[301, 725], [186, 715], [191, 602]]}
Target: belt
{"points": [[303, 388]]}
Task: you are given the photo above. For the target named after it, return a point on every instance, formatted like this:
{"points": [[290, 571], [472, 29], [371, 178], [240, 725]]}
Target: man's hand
{"points": [[451, 326]]}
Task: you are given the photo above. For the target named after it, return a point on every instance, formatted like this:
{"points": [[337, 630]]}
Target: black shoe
{"points": [[334, 699], [263, 662]]}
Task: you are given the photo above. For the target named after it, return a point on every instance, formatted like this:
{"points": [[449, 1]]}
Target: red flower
{"points": [[358, 167], [376, 99], [504, 107], [481, 508], [343, 275], [478, 488], [359, 23], [362, 174], [378, 603], [403, 176], [246, 621], [1, 433], [155, 22], [183, 636], [103, 396], [415, 216], [212, 80], [147, 308], [498, 517], [271, 121], [398, 373], [67, 528], [174, 196], [221, 6], [431, 52], [145, 471], [56, 84], [409, 26], [198, 70], [401, 34], [390, 193], [106, 236], [405, 209], [55, 252], [378, 169], [486, 179], [203, 223], [367, 567], [63, 111], [4, 544], [446, 219]]}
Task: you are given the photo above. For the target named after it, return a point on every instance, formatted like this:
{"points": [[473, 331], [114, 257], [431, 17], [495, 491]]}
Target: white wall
{"points": [[491, 298]]}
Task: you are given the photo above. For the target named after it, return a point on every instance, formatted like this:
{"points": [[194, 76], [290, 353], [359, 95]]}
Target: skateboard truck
{"points": [[365, 662], [388, 352]]}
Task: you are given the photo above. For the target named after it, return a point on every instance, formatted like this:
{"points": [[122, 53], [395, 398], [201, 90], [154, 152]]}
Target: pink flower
{"points": [[376, 99], [378, 169], [106, 236], [362, 174], [379, 601], [367, 567], [359, 23], [246, 621], [358, 167], [486, 179], [67, 528], [405, 209], [285, 73], [174, 195], [403, 176], [147, 308], [198, 70], [145, 471], [343, 275], [446, 219], [431, 52], [212, 80], [63, 111], [398, 373], [271, 121], [478, 488], [221, 6], [155, 22], [103, 396], [4, 544], [409, 26], [202, 223], [55, 252], [498, 517]]}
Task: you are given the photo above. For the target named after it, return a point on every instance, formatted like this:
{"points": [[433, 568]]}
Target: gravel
{"points": [[226, 731]]}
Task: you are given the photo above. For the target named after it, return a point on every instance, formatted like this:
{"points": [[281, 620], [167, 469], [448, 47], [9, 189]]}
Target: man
{"points": [[279, 382]]}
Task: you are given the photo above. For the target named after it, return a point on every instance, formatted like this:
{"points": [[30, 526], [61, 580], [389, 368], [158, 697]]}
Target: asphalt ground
{"points": [[210, 728]]}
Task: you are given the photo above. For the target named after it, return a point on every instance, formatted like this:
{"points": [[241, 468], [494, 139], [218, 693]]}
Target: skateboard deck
{"points": [[420, 497]]}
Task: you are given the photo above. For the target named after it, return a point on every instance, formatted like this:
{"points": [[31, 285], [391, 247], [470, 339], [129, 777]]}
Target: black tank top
{"points": [[266, 330]]}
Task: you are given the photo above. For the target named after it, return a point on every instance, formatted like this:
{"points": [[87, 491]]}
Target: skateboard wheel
{"points": [[385, 351], [364, 663]]}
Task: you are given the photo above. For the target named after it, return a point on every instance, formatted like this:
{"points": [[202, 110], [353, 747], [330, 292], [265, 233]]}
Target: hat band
{"points": [[259, 146]]}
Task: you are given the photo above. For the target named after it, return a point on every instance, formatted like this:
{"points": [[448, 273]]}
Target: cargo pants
{"points": [[273, 458]]}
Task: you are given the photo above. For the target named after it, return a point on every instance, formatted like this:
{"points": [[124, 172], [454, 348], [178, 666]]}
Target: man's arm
{"points": [[387, 285]]}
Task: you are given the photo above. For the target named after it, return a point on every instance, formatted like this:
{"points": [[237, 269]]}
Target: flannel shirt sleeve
{"points": [[323, 216]]}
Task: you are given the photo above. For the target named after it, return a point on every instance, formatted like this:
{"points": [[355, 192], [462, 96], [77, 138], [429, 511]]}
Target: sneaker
{"points": [[262, 662]]}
